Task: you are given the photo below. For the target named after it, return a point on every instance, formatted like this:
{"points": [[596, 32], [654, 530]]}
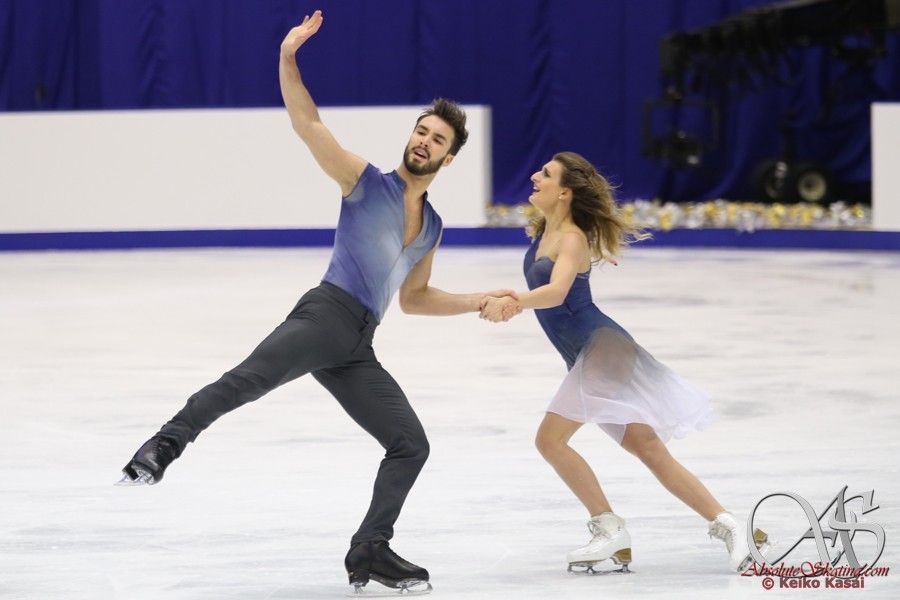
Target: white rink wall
{"points": [[885, 174], [208, 169]]}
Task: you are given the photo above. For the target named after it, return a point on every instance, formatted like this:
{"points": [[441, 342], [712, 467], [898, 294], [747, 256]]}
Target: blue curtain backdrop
{"points": [[558, 74]]}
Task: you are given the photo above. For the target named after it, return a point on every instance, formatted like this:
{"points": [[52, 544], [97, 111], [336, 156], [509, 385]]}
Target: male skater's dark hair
{"points": [[454, 116]]}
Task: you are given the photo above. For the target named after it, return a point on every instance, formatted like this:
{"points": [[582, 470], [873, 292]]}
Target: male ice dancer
{"points": [[386, 238]]}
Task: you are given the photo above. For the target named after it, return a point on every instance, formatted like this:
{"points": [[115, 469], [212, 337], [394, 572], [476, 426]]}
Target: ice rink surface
{"points": [[799, 351]]}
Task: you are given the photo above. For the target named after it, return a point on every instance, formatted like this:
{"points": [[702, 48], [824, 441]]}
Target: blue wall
{"points": [[560, 74]]}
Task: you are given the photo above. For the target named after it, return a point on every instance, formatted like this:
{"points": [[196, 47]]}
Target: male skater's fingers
{"points": [[309, 27], [488, 299], [305, 30], [499, 309], [503, 293], [511, 310], [491, 311], [483, 307]]}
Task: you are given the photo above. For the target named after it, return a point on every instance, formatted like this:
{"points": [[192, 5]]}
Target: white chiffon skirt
{"points": [[616, 382]]}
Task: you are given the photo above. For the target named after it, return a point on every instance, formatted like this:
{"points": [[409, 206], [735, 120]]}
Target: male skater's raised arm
{"points": [[339, 164]]}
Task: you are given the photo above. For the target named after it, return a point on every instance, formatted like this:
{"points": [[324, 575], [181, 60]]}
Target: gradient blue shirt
{"points": [[369, 261]]}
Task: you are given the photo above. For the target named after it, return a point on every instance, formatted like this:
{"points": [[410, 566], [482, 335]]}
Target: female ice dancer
{"points": [[612, 381]]}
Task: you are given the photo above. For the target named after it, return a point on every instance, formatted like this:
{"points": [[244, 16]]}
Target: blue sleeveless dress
{"points": [[612, 381]]}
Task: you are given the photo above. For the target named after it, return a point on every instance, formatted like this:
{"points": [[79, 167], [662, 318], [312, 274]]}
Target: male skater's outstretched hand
{"points": [[496, 308], [302, 32]]}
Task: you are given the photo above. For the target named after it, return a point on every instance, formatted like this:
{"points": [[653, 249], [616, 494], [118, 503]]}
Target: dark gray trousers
{"points": [[328, 334]]}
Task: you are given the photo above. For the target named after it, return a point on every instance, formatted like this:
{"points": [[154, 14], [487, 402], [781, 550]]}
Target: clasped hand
{"points": [[500, 305]]}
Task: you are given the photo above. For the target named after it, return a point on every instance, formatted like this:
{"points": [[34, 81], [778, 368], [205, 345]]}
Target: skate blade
{"points": [[621, 558], [763, 544], [407, 587], [140, 477], [591, 568]]}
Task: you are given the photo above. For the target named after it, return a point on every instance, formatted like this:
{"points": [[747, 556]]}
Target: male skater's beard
{"points": [[427, 168]]}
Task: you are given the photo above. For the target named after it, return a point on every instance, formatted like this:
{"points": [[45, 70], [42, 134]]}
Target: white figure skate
{"points": [[726, 528], [611, 541]]}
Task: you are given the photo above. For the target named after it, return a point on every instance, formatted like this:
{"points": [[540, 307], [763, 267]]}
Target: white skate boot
{"points": [[611, 541], [726, 528]]}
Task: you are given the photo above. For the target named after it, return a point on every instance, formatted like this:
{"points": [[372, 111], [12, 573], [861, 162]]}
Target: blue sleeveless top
{"points": [[569, 325], [369, 261]]}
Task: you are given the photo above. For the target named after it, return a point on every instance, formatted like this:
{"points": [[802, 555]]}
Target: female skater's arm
{"points": [[342, 166], [419, 298], [572, 249]]}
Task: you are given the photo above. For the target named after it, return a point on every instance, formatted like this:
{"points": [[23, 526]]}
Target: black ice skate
{"points": [[150, 462], [376, 560]]}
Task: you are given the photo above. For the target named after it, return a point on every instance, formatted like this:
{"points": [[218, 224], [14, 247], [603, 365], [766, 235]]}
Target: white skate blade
{"points": [[616, 564], [599, 567], [763, 544], [407, 587], [143, 478]]}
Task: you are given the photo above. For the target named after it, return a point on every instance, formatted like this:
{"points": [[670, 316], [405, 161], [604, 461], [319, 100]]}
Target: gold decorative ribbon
{"points": [[718, 214]]}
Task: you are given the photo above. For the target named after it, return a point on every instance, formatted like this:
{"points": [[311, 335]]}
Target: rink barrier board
{"points": [[453, 236], [223, 169]]}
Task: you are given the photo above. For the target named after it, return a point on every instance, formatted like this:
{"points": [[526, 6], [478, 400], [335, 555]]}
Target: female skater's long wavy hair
{"points": [[594, 210]]}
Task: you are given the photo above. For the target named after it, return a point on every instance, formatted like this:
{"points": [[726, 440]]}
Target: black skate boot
{"points": [[150, 462], [376, 560]]}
